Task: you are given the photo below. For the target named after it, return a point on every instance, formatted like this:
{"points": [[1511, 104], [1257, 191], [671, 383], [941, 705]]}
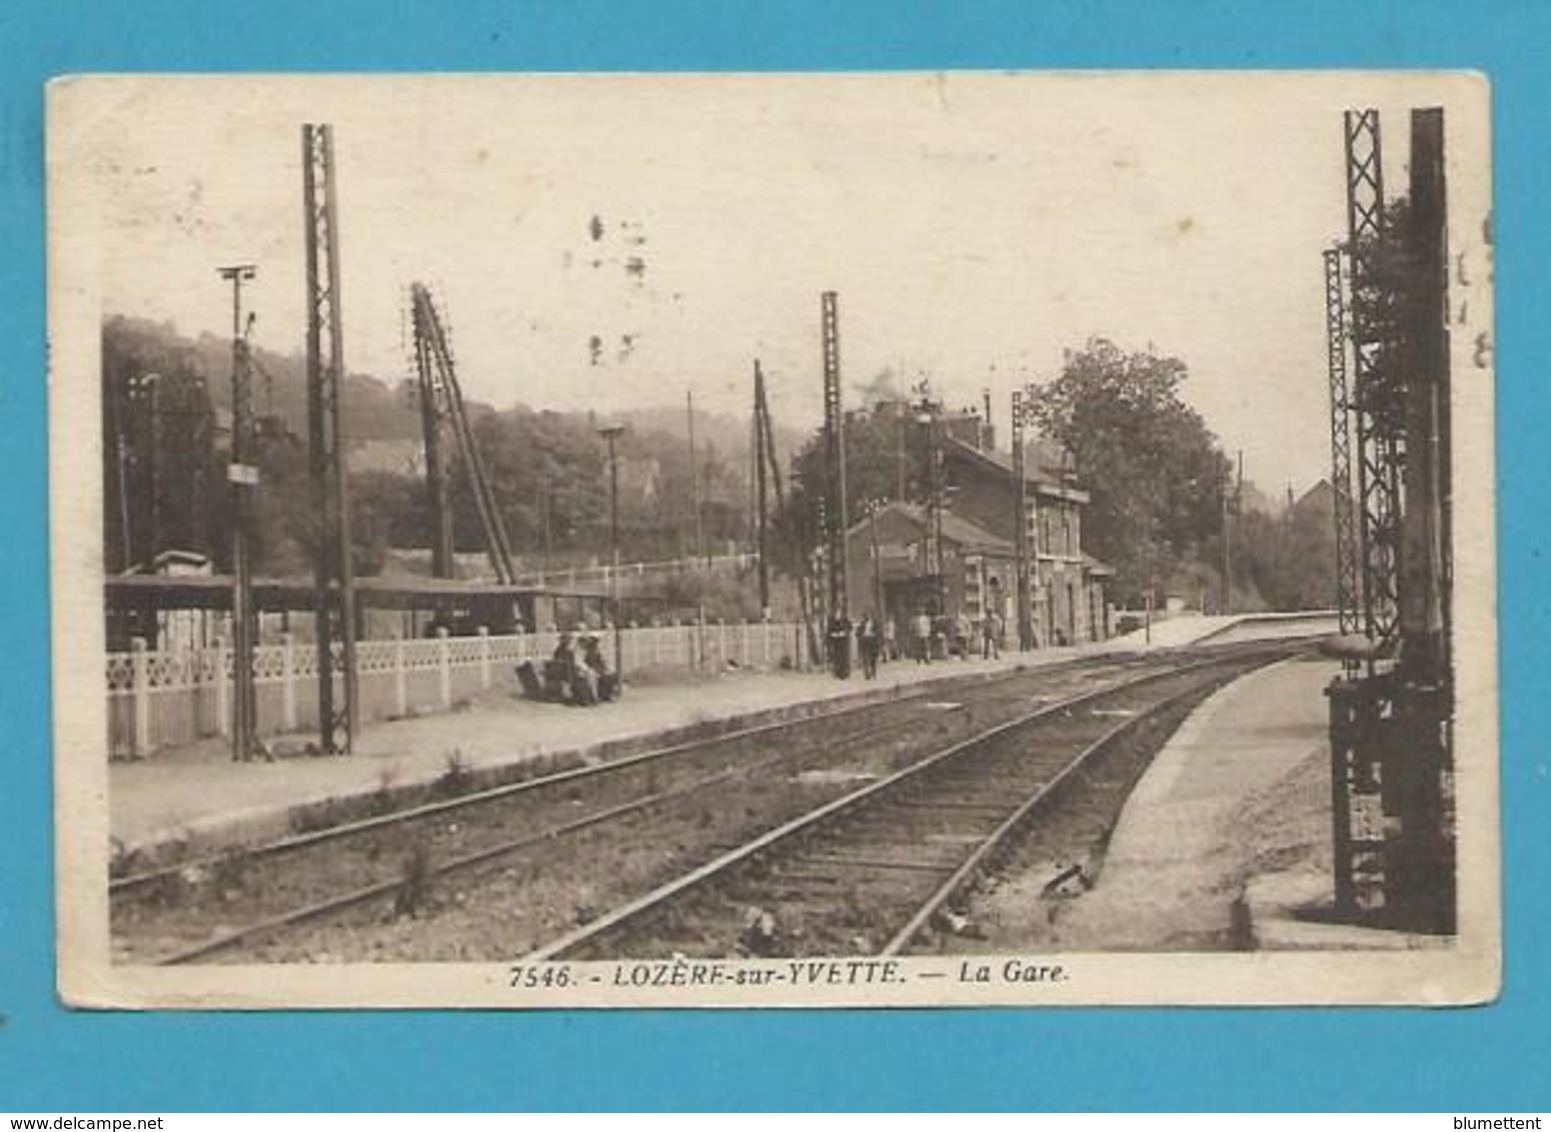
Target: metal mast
{"points": [[835, 467], [242, 473], [1025, 612], [1424, 556], [1378, 408], [1340, 446], [440, 389], [335, 583], [432, 423], [1391, 731]]}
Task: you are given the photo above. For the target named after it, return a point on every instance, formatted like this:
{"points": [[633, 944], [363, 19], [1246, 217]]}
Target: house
{"points": [[1066, 586], [891, 568]]}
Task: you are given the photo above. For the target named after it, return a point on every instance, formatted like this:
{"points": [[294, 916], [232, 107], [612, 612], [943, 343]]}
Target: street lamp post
{"points": [[242, 473], [612, 433]]}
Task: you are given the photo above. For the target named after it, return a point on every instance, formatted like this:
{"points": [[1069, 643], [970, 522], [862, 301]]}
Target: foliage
{"points": [[1290, 558], [885, 448], [1151, 466], [548, 470]]}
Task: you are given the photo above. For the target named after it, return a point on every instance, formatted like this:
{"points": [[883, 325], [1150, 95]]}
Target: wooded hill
{"points": [[547, 468]]}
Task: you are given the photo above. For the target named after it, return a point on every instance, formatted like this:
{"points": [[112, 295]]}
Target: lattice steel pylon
{"points": [[1347, 592], [441, 403], [434, 432], [334, 575], [1378, 407], [835, 465]]}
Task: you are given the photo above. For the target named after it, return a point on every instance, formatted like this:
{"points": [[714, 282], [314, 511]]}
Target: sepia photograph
{"points": [[784, 540]]}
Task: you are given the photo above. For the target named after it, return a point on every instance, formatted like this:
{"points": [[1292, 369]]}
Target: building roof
{"points": [[1042, 479], [1091, 565], [169, 561], [955, 529]]}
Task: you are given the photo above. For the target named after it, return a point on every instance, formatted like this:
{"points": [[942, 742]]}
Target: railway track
{"points": [[219, 906], [879, 868]]}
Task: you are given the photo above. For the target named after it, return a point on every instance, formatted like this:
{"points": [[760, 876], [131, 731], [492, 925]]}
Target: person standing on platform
{"points": [[868, 643], [840, 647], [921, 629], [991, 628]]}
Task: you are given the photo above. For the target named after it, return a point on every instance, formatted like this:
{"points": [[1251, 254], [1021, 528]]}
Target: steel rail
{"points": [[650, 901], [121, 886], [237, 937], [994, 840]]}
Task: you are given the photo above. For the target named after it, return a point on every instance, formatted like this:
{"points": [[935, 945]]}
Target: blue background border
{"points": [[1282, 1059]]}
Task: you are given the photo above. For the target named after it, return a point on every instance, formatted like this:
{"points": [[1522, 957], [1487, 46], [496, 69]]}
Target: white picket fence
{"points": [[603, 571], [160, 699]]}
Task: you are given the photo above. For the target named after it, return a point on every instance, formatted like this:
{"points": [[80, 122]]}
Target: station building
{"points": [[890, 562]]}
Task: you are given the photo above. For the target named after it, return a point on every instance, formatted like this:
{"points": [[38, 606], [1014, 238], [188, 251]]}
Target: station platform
{"points": [[1227, 837], [195, 799], [1177, 631]]}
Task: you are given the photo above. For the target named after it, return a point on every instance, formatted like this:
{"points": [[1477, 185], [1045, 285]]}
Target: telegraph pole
{"points": [[694, 475], [1025, 614], [243, 475], [612, 433], [761, 460], [545, 521], [804, 595], [1230, 505], [119, 393], [877, 561]]}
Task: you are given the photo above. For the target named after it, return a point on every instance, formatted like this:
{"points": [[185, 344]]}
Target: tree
{"points": [[877, 442], [164, 474], [387, 509], [1289, 559], [1148, 460], [161, 486]]}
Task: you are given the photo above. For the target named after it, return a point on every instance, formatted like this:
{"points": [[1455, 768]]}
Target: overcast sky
{"points": [[974, 225]]}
